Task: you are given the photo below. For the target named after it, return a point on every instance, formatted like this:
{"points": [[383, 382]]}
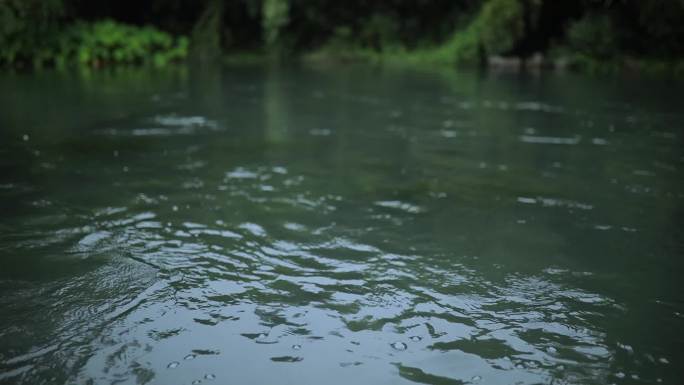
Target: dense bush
{"points": [[500, 25], [27, 29], [108, 42], [44, 32], [595, 36], [495, 29], [95, 44]]}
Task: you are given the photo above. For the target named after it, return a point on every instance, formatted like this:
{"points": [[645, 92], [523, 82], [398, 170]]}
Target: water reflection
{"points": [[259, 225]]}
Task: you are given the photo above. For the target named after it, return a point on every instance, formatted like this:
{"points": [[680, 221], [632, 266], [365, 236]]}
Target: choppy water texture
{"points": [[340, 226]]}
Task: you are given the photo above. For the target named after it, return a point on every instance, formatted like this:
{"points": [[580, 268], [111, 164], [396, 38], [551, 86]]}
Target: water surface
{"points": [[340, 225]]}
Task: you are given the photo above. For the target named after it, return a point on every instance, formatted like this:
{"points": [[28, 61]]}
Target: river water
{"points": [[340, 225]]}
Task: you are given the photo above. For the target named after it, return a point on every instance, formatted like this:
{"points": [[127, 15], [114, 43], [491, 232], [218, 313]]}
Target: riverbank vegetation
{"points": [[585, 34]]}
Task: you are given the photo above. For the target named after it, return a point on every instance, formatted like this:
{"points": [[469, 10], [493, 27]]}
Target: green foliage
{"points": [[500, 25], [98, 44], [275, 16], [594, 36], [206, 35], [495, 30], [108, 42], [375, 39], [644, 36], [379, 32], [661, 27], [588, 32], [26, 28], [464, 47]]}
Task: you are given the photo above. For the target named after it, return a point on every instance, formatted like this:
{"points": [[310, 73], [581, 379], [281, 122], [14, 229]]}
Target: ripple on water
{"points": [[550, 140], [290, 359], [399, 205], [399, 345]]}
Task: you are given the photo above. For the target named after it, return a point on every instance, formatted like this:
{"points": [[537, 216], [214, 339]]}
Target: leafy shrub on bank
{"points": [[594, 36], [97, 44], [108, 42], [27, 28], [495, 30]]}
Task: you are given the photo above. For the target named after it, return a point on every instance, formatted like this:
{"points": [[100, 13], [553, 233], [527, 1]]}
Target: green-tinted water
{"points": [[339, 226]]}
